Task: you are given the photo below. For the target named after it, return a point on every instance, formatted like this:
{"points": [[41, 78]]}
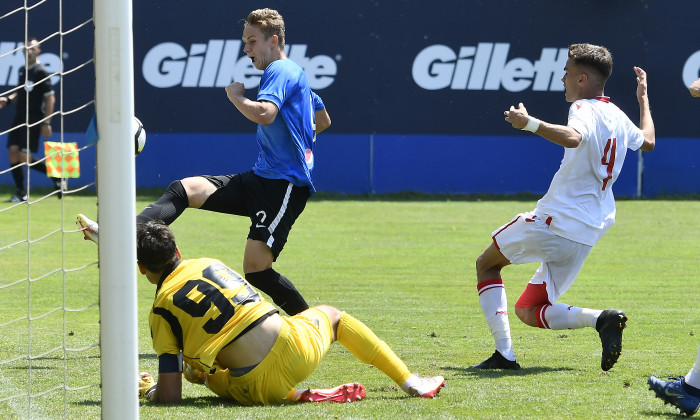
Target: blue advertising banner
{"points": [[416, 91]]}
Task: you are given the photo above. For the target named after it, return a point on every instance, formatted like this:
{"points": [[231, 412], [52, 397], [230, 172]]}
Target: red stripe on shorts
{"points": [[501, 230]]}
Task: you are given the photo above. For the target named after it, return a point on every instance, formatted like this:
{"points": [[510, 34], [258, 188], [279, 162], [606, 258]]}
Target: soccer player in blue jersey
{"points": [[274, 193]]}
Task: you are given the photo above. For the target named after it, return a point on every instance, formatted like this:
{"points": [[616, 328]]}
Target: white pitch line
{"points": [[17, 405]]}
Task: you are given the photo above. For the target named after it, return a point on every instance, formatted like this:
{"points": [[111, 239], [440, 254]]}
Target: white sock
{"points": [[561, 316], [693, 377], [494, 305], [412, 380]]}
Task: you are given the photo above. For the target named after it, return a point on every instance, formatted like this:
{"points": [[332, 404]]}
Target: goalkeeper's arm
{"points": [[168, 390]]}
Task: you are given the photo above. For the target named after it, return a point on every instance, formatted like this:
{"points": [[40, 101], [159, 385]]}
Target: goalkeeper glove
{"points": [[193, 375], [147, 386]]}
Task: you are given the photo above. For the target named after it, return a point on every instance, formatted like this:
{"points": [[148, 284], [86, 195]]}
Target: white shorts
{"points": [[527, 239]]}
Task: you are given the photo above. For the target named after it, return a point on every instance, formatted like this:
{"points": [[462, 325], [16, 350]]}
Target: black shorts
{"points": [[272, 205], [18, 137]]}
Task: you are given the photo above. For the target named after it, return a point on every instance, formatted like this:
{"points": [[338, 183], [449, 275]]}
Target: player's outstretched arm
{"points": [[695, 89], [558, 134], [645, 121]]}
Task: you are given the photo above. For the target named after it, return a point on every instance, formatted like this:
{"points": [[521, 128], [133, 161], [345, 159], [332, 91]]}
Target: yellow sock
{"points": [[294, 394], [367, 347]]}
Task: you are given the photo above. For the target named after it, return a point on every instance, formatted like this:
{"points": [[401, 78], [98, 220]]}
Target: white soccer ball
{"points": [[139, 135]]}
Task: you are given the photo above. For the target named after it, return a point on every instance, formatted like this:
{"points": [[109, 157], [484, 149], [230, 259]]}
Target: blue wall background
{"points": [[390, 132]]}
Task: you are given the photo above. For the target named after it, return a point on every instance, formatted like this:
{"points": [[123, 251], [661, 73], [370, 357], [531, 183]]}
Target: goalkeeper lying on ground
{"points": [[236, 343]]}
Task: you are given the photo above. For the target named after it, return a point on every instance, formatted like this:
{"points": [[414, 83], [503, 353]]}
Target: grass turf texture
{"points": [[403, 265]]}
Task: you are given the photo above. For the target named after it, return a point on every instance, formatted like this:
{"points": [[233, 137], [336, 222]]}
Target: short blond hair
{"points": [[270, 23]]}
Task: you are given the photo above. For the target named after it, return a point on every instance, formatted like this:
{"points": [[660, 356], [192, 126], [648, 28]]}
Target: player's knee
{"points": [[14, 155], [197, 189], [257, 257], [483, 268], [334, 315], [527, 315], [332, 312]]}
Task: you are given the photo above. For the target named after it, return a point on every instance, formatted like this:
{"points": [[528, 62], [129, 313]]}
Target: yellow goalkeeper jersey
{"points": [[200, 307]]}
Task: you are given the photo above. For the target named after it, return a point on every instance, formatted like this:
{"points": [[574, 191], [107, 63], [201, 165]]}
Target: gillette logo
{"points": [[217, 64], [487, 67], [12, 58], [691, 68]]}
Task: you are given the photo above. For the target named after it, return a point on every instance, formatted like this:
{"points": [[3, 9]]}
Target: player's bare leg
{"points": [[494, 305], [560, 316], [257, 266]]}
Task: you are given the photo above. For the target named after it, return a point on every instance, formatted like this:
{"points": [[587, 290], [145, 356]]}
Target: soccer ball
{"points": [[139, 135]]}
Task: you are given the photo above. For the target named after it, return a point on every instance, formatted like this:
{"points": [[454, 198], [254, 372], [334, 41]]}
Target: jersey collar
{"points": [[605, 99], [168, 270]]}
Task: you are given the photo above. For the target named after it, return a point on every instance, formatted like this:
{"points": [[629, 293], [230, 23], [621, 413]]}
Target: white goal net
{"points": [[67, 323]]}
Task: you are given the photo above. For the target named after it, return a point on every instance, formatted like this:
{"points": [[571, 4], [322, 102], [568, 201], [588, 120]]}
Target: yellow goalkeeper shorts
{"points": [[303, 341]]}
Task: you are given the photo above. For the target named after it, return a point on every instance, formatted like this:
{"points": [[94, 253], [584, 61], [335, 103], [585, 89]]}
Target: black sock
{"points": [[168, 207], [39, 166], [280, 290], [18, 177]]}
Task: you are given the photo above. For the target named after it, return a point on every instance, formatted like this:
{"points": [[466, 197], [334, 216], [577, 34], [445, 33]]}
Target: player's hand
{"points": [[517, 117], [641, 83], [235, 90], [695, 89], [147, 385], [46, 131], [193, 375]]}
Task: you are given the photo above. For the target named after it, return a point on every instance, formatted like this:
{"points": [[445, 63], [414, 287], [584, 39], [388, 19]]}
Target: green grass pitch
{"points": [[404, 267]]}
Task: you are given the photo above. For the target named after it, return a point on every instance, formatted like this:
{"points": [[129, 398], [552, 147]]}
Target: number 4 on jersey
{"points": [[608, 159]]}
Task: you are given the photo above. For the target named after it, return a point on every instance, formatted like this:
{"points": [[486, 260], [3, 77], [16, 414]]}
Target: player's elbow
{"points": [[322, 119], [572, 142], [571, 138], [649, 144], [322, 125], [266, 119]]}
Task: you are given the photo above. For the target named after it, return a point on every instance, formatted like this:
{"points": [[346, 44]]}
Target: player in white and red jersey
{"points": [[573, 215]]}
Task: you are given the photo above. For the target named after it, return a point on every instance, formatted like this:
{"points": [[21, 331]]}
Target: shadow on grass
{"points": [[498, 373], [657, 414], [198, 402]]}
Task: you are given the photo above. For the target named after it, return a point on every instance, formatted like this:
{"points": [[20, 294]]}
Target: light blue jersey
{"points": [[286, 145]]}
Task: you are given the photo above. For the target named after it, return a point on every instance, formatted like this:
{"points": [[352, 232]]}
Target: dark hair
{"points": [[593, 57], [155, 245], [270, 23]]}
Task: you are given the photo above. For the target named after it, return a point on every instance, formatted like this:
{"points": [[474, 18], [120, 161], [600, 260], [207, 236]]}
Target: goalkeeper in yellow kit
{"points": [[206, 317]]}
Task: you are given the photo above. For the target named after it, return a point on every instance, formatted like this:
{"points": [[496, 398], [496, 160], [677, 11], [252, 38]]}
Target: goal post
{"points": [[116, 188]]}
